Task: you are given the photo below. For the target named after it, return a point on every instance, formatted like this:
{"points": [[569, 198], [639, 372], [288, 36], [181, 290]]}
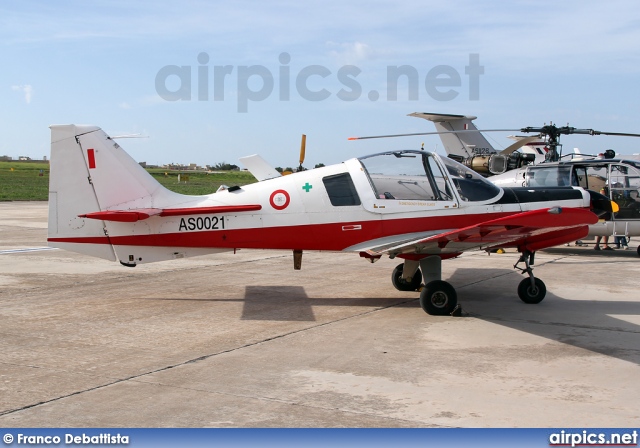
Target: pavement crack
{"points": [[201, 358]]}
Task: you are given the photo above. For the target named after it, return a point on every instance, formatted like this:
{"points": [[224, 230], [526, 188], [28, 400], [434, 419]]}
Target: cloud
{"points": [[26, 89], [350, 52], [124, 105]]}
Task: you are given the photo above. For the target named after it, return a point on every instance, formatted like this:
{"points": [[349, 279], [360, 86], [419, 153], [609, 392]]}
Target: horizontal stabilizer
{"points": [[441, 117], [122, 215], [459, 135], [142, 214]]}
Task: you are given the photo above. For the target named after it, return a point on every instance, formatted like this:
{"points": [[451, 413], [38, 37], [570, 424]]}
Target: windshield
{"points": [[470, 185], [416, 175]]}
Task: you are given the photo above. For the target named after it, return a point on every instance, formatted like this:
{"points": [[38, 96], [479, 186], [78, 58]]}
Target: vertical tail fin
{"points": [[90, 173], [464, 144]]}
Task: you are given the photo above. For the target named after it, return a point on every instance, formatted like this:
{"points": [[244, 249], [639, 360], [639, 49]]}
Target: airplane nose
{"points": [[601, 205]]}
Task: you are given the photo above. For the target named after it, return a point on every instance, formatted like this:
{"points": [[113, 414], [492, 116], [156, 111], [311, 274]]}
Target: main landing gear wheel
{"points": [[438, 298], [638, 251], [403, 285], [532, 294]]}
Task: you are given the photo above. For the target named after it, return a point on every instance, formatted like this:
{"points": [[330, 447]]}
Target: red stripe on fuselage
{"points": [[308, 237]]}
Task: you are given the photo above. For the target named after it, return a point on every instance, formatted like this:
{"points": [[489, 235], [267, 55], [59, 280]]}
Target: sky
{"points": [[209, 81]]}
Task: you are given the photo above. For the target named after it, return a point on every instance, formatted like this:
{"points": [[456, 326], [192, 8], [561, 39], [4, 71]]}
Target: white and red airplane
{"points": [[408, 204]]}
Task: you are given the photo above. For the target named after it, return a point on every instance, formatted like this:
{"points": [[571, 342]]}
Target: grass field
{"points": [[30, 181], [24, 181]]}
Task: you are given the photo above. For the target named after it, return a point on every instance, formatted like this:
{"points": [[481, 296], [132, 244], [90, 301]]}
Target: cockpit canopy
{"points": [[421, 175]]}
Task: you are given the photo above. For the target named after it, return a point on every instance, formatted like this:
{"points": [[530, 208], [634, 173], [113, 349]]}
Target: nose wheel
{"points": [[532, 294]]}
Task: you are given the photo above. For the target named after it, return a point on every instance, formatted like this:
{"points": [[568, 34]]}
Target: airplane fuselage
{"points": [[339, 207], [409, 204]]}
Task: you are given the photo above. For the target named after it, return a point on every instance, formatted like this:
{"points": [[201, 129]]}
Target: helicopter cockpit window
{"points": [[549, 176], [624, 183], [579, 177], [402, 175]]}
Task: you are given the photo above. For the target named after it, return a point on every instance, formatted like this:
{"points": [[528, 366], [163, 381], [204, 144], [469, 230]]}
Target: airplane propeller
{"points": [[303, 145]]}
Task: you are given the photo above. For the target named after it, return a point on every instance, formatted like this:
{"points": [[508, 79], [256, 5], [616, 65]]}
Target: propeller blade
{"points": [[303, 145]]}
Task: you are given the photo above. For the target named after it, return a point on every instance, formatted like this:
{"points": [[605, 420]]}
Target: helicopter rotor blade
{"points": [[433, 133], [566, 130], [622, 134]]}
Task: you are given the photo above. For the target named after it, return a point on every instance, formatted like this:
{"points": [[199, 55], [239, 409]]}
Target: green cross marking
{"points": [[306, 187]]}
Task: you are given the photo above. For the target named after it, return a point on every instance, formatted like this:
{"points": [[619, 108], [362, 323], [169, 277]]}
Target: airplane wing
{"points": [[531, 230], [134, 215]]}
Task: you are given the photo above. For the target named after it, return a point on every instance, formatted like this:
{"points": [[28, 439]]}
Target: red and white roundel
{"points": [[279, 199]]}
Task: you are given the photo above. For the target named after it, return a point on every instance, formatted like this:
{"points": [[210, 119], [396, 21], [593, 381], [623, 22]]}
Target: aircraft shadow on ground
{"points": [[586, 324], [292, 303]]}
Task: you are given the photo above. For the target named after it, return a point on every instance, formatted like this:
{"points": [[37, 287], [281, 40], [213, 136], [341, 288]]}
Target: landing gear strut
{"points": [[530, 290], [406, 281], [438, 297]]}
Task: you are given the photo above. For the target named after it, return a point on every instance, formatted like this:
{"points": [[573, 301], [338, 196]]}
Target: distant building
{"points": [[143, 164], [23, 159]]}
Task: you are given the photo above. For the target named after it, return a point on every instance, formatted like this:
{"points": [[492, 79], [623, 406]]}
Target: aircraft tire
{"points": [[402, 285], [530, 295], [638, 250], [438, 298]]}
